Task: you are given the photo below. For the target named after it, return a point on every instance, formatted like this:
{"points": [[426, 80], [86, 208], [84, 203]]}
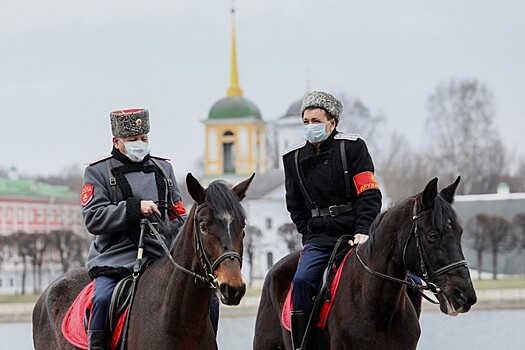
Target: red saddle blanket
{"points": [[73, 324], [325, 308]]}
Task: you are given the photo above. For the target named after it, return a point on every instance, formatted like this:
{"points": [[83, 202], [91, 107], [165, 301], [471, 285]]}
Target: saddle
{"points": [[327, 289], [76, 320]]}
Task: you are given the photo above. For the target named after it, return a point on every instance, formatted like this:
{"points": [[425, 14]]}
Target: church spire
{"points": [[234, 89]]}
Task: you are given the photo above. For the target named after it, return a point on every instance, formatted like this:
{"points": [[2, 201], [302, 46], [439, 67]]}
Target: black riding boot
{"points": [[299, 320], [98, 340]]}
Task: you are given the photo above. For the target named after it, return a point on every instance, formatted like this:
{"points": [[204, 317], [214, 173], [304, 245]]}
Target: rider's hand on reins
{"points": [[148, 208], [359, 238]]}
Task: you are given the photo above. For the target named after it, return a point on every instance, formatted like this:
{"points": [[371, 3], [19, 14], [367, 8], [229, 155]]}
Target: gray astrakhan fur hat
{"points": [[320, 99], [129, 122]]}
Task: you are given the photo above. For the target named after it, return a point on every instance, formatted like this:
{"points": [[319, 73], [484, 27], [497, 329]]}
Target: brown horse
{"points": [[371, 309], [172, 297]]}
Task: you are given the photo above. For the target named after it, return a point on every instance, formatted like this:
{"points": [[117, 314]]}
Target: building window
{"points": [[0, 283], [229, 157], [269, 260], [268, 223], [11, 282]]}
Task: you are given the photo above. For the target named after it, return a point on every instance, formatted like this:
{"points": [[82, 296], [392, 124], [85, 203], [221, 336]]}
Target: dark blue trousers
{"points": [[104, 287], [413, 294], [312, 264]]}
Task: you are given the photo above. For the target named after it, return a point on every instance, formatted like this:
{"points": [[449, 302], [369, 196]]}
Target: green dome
{"points": [[234, 107]]}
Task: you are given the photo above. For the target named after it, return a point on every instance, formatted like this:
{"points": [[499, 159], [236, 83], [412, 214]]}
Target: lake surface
{"points": [[477, 330]]}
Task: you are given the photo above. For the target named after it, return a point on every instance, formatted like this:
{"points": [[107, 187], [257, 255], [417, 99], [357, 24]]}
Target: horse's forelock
{"points": [[223, 201], [443, 216]]}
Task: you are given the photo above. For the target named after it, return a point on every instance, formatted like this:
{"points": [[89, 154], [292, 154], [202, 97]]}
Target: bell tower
{"points": [[235, 131]]}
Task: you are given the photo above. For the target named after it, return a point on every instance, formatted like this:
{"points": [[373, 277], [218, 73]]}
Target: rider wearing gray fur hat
{"points": [[118, 192]]}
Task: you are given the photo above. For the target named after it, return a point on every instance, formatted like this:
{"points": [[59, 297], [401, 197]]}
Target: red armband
{"points": [[178, 207], [365, 181]]}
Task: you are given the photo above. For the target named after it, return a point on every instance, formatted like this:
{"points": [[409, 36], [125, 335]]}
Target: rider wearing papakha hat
{"points": [[331, 191], [117, 193]]}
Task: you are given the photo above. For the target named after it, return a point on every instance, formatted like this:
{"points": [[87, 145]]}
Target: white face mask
{"points": [[137, 150], [316, 133]]}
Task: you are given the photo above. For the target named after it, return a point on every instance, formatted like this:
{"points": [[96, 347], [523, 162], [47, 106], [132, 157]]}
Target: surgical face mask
{"points": [[316, 133], [137, 150]]}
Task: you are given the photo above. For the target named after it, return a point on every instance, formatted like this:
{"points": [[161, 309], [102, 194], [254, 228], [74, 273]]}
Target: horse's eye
{"points": [[432, 236], [203, 228]]}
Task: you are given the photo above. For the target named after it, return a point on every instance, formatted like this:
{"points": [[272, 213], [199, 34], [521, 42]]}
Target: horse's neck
{"points": [[384, 257], [184, 286]]}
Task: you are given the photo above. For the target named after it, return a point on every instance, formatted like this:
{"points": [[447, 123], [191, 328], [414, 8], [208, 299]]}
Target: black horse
{"points": [[371, 310], [172, 298]]}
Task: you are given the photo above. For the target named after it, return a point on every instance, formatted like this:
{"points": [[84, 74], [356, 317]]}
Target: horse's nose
{"points": [[232, 295], [465, 299]]}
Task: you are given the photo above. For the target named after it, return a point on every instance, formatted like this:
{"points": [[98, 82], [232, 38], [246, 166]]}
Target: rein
{"points": [[429, 285], [209, 267]]}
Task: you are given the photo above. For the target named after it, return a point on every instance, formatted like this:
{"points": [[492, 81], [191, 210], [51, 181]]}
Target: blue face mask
{"points": [[315, 133]]}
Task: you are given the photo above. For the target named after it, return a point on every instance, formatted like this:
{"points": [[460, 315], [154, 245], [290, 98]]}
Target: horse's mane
{"points": [[221, 199], [442, 215]]}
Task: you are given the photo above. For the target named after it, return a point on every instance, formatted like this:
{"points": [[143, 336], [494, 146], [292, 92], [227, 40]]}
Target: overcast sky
{"points": [[64, 65]]}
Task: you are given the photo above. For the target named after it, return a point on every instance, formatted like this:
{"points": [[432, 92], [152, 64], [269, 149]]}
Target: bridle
{"points": [[206, 263], [423, 263]]}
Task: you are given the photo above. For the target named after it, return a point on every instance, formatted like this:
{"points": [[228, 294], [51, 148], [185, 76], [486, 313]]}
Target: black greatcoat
{"points": [[323, 178]]}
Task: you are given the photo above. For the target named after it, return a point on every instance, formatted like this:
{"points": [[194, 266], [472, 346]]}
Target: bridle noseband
{"points": [[208, 266], [423, 263]]}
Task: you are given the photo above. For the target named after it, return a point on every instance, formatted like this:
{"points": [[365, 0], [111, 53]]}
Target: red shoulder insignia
{"points": [[365, 181], [86, 194]]}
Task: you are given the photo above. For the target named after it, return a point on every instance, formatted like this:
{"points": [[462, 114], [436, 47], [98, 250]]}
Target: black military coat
{"points": [[323, 180]]}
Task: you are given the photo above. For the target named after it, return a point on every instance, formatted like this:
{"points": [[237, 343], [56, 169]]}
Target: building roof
{"points": [[34, 189], [294, 110], [234, 107], [265, 183]]}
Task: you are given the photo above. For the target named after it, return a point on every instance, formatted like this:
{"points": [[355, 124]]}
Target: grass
{"points": [[509, 283], [27, 298]]}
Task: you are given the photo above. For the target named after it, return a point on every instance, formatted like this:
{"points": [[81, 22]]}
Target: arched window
{"points": [[228, 152]]}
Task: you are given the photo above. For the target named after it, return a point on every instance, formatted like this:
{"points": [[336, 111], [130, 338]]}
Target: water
{"points": [[479, 330]]}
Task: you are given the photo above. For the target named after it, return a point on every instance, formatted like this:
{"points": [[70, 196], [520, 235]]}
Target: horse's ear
{"points": [[449, 192], [196, 191], [241, 188], [430, 193]]}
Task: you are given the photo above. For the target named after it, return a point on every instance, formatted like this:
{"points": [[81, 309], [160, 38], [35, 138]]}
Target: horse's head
{"points": [[219, 221], [433, 249]]}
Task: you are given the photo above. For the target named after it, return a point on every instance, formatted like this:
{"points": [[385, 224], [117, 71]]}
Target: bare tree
{"points": [[21, 242], [38, 246], [460, 121], [403, 171], [477, 237], [501, 237], [357, 118], [70, 248], [291, 237], [252, 236], [71, 177], [519, 229]]}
